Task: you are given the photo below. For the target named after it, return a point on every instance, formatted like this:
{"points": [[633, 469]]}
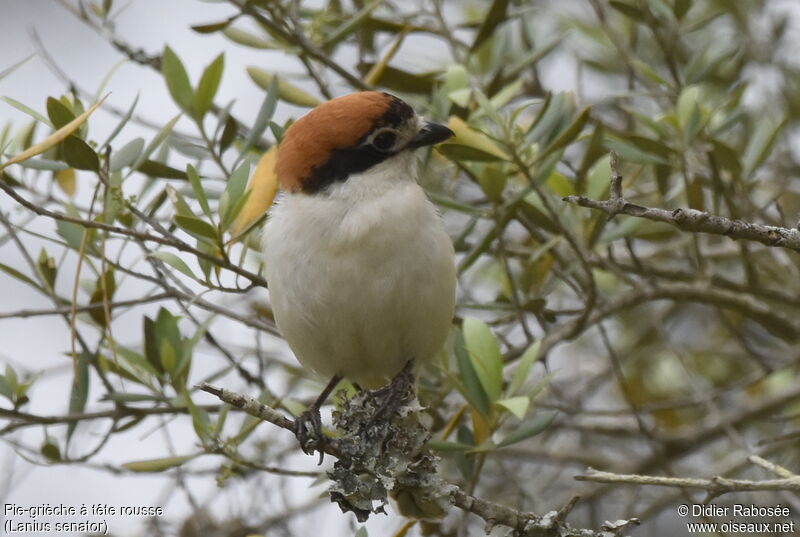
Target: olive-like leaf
{"points": [[207, 87], [78, 154], [262, 187], [528, 429], [177, 80], [157, 465], [495, 16], [55, 138], [484, 353]]}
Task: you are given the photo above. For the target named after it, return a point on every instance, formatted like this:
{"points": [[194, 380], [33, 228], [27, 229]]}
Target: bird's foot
{"points": [[395, 393], [308, 430], [308, 425]]}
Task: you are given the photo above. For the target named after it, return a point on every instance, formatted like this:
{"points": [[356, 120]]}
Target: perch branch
{"points": [[494, 514]]}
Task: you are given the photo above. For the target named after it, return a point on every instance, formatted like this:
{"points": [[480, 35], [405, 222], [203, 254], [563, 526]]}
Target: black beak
{"points": [[429, 134]]}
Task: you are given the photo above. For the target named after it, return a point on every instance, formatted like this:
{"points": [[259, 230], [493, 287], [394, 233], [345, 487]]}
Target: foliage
{"points": [[661, 350]]}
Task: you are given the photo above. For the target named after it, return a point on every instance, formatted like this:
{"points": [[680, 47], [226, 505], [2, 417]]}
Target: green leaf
{"points": [[528, 429], [156, 141], [530, 57], [59, 114], [552, 118], [44, 164], [245, 38], [197, 188], [493, 182], [153, 168], [630, 11], [157, 465], [200, 419], [568, 135], [196, 226], [460, 96], [470, 386], [598, 180], [207, 87], [126, 155], [181, 207], [761, 143], [122, 122], [177, 80], [484, 353], [456, 78], [46, 267], [175, 262], [7, 71], [520, 374], [78, 154], [494, 17], [232, 195], [14, 273], [516, 405], [168, 339], [50, 449], [72, 233], [27, 110], [151, 350], [11, 378], [350, 25], [403, 81], [98, 295], [630, 152], [212, 27], [262, 118], [687, 102], [228, 134], [80, 390], [681, 7], [650, 73], [5, 389]]}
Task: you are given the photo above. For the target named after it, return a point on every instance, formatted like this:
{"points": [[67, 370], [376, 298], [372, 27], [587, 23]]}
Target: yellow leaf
{"points": [[263, 186], [467, 136], [286, 90], [66, 180], [377, 70], [157, 465], [481, 429], [55, 138]]}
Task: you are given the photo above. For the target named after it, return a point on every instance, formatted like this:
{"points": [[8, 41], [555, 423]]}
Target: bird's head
{"points": [[349, 135]]}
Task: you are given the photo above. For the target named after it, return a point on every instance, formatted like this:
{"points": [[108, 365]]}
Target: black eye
{"points": [[384, 141]]}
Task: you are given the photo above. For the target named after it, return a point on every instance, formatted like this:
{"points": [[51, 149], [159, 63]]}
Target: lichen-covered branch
{"points": [[357, 418]]}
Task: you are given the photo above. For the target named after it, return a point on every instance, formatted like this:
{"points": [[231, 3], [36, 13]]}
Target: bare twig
{"points": [[691, 219], [716, 484]]}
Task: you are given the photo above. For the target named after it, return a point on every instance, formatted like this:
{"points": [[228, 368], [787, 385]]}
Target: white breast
{"points": [[361, 279]]}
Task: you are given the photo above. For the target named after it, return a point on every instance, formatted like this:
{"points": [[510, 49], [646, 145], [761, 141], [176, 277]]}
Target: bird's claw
{"points": [[308, 430], [394, 393]]}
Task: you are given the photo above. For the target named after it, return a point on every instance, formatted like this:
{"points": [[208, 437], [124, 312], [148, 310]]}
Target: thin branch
{"points": [[166, 241], [298, 38], [691, 219], [717, 484], [27, 419], [95, 306]]}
